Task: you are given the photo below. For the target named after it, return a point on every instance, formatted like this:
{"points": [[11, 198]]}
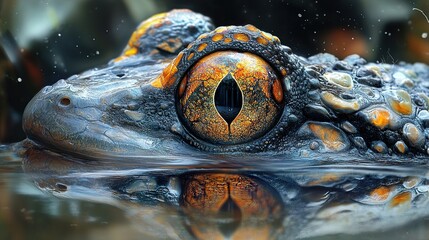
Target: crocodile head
{"points": [[182, 87]]}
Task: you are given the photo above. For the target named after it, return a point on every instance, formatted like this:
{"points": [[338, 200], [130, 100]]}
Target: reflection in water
{"points": [[304, 203], [222, 205]]}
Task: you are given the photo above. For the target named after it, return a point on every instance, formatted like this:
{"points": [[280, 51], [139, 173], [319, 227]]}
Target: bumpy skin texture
{"points": [[129, 107]]}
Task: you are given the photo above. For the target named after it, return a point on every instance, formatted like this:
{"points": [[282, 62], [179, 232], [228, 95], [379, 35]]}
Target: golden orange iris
{"points": [[221, 76]]}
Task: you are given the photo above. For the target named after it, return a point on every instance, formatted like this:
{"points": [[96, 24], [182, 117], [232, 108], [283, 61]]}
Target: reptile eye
{"points": [[230, 97]]}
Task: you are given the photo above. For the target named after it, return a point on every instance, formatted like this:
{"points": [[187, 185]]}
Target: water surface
{"points": [[44, 195]]}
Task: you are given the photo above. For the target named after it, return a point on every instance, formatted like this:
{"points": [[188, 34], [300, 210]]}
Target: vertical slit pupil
{"points": [[231, 214], [228, 99]]}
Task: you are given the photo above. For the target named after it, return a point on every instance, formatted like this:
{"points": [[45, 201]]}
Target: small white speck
{"points": [[424, 35], [93, 39], [97, 52], [77, 45], [59, 34], [19, 79], [299, 15]]}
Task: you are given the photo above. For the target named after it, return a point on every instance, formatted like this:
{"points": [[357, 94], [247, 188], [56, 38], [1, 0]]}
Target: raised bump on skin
{"points": [[241, 37], [380, 194], [425, 98], [331, 137], [201, 47], [399, 101], [401, 198], [217, 37], [414, 135], [339, 79], [401, 147], [379, 147], [338, 104], [379, 117]]}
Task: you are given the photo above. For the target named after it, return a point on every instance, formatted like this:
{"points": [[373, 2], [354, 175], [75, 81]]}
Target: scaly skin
{"points": [[138, 104]]}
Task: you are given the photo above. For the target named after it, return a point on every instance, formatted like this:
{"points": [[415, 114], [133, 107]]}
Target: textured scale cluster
{"points": [[240, 38], [378, 106]]}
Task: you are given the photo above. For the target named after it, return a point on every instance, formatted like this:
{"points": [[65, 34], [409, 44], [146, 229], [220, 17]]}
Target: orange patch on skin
{"points": [[262, 41], [401, 198], [277, 91], [217, 37], [402, 108], [227, 40], [202, 47], [177, 59], [171, 45], [379, 148], [401, 103], [251, 28], [155, 21], [330, 137], [241, 37], [190, 56], [133, 43], [379, 117], [131, 51], [157, 83], [380, 193], [167, 76]]}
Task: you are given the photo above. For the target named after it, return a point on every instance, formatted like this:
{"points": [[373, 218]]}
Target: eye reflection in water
{"points": [[223, 204]]}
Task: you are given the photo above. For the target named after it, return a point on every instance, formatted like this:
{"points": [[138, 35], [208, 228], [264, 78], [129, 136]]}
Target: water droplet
{"points": [[424, 35]]}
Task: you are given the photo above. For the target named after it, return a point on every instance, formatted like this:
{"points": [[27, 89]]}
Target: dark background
{"points": [[44, 41]]}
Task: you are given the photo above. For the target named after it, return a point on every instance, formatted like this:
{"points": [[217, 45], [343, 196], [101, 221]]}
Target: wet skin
{"points": [[180, 88]]}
